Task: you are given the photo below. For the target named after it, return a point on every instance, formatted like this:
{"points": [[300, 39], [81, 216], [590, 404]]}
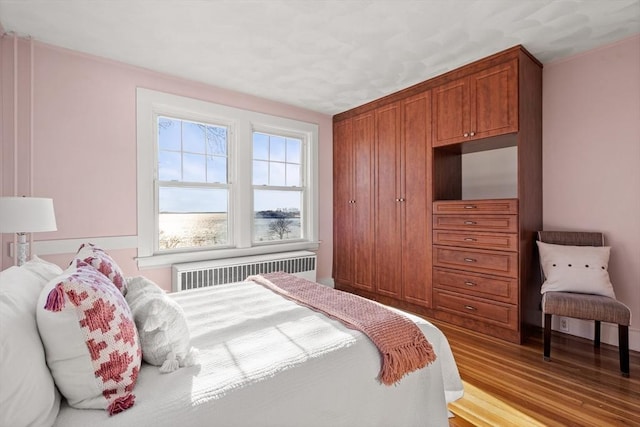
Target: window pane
{"points": [[193, 137], [192, 217], [169, 134], [277, 149], [217, 140], [260, 172], [217, 169], [277, 215], [293, 175], [194, 166], [294, 150], [260, 146], [276, 174], [169, 166]]}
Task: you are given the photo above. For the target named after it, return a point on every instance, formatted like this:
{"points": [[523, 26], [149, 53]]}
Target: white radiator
{"points": [[217, 272]]}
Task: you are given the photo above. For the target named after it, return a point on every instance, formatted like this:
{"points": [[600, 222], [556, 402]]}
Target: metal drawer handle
{"points": [[469, 283], [469, 260], [470, 223], [470, 307], [470, 206], [470, 239]]}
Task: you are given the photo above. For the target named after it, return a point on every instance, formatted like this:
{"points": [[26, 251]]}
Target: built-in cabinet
{"points": [[404, 235], [380, 245], [475, 261], [480, 105], [402, 206]]}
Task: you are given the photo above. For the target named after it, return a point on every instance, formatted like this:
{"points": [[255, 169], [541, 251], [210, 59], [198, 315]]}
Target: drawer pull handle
{"points": [[469, 283], [470, 223], [470, 206], [469, 260], [470, 307], [470, 239]]}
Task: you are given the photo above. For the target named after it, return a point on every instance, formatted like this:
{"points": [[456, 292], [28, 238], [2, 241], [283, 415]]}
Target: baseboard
{"points": [[327, 281], [608, 332]]}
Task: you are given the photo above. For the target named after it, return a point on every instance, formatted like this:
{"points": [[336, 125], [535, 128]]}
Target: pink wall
{"points": [[591, 160], [82, 152]]}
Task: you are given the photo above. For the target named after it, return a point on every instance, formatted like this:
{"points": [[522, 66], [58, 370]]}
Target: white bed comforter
{"points": [[266, 361]]}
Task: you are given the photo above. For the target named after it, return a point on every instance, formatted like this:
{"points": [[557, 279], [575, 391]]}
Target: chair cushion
{"points": [[584, 306]]}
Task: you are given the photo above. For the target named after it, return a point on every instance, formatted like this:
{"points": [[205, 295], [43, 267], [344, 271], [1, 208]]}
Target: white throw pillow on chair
{"points": [[579, 269]]}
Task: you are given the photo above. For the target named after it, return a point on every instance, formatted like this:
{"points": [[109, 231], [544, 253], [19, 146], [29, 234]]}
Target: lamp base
{"points": [[22, 248]]}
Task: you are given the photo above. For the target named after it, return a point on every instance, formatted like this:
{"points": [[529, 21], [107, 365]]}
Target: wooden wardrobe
{"points": [[405, 234]]}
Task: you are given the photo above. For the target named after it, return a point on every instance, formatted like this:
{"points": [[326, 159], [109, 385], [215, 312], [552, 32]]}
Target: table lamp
{"points": [[22, 215]]}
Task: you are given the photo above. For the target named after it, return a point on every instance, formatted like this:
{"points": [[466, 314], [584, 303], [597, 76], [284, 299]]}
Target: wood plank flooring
{"points": [[510, 385]]}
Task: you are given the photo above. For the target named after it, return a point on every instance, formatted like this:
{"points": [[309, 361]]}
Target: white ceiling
{"points": [[324, 55]]}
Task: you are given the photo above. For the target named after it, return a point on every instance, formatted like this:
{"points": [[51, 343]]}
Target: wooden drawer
{"points": [[503, 289], [470, 239], [495, 313], [478, 260], [503, 223], [493, 206]]}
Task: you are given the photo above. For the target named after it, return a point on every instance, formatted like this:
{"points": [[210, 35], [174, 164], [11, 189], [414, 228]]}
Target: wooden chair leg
{"points": [[596, 335], [623, 347], [547, 336]]}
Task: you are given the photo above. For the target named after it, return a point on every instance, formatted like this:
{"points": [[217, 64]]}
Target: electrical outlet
{"points": [[564, 324]]}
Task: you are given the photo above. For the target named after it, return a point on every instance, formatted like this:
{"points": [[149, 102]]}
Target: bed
{"points": [[264, 360]]}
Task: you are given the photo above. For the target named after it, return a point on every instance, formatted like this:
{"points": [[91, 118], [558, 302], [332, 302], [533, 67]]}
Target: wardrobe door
{"points": [[417, 195], [388, 231], [343, 212], [363, 201]]}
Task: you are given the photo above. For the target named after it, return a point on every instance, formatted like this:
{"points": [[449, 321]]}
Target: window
{"points": [[191, 184], [278, 192], [216, 181]]}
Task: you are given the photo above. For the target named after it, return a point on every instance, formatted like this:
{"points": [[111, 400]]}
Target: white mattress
{"points": [[266, 361]]}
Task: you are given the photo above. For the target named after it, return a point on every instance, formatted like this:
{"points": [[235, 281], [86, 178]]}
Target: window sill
{"points": [[166, 260]]}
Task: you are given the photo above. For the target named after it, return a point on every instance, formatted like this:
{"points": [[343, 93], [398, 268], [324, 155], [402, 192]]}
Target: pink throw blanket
{"points": [[401, 343]]}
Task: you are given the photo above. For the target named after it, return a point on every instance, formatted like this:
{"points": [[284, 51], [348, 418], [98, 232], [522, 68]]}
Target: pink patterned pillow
{"points": [[90, 338], [98, 258]]}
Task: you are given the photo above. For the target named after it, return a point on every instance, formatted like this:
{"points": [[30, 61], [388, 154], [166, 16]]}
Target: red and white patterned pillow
{"points": [[90, 338], [101, 261]]}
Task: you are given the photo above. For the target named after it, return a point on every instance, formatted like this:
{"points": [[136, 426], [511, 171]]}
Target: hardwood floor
{"points": [[510, 385]]}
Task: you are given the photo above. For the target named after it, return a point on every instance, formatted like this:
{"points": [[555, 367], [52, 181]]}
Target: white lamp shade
{"points": [[26, 215]]}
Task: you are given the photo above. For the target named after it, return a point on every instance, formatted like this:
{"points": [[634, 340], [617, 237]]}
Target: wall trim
{"points": [[608, 331], [70, 246]]}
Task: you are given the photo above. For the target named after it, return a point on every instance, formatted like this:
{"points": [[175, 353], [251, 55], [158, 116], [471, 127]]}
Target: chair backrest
{"points": [[572, 238]]}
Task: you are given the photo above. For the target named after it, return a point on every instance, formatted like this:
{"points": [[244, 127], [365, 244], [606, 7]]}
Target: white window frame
{"points": [[241, 124]]}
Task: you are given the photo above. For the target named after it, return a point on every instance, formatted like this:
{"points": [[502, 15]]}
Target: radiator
{"points": [[217, 272]]}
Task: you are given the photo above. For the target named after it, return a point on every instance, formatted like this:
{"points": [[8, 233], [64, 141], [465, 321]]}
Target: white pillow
{"points": [[25, 378], [41, 268], [579, 269], [162, 327], [90, 338]]}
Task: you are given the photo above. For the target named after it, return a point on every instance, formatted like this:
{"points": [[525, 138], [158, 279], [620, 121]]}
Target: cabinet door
{"points": [[494, 101], [417, 195], [362, 230], [342, 202], [388, 233], [451, 113]]}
